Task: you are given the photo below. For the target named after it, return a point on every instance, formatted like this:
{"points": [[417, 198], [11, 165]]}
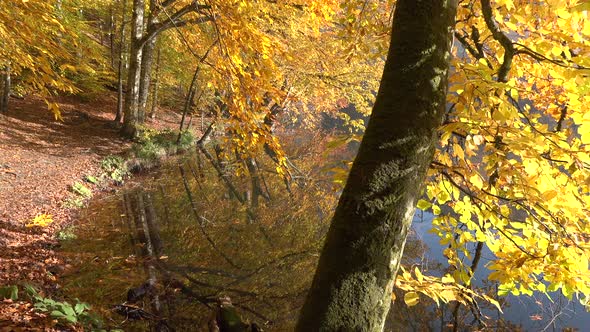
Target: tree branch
{"points": [[173, 20], [499, 36]]}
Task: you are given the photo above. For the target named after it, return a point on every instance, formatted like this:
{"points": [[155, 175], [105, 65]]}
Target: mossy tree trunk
{"points": [[352, 287]]}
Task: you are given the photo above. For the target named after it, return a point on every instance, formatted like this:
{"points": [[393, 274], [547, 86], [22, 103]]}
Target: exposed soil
{"points": [[40, 158]]}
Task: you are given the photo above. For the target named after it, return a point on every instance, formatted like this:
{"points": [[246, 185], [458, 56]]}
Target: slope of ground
{"points": [[40, 159]]}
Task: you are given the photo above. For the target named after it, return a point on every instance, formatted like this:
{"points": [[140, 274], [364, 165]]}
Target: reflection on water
{"points": [[179, 254], [166, 256]]}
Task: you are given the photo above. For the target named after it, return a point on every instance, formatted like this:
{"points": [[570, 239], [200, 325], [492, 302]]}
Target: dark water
{"points": [[158, 256], [536, 313], [186, 252]]}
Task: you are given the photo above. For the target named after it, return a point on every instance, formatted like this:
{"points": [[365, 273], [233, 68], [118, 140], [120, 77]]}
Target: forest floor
{"points": [[40, 159]]}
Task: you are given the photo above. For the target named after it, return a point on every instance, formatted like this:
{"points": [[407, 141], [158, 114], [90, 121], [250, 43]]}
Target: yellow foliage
{"points": [[514, 158], [41, 220], [443, 289]]}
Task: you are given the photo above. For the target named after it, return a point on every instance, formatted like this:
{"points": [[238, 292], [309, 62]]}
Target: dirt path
{"points": [[40, 159]]}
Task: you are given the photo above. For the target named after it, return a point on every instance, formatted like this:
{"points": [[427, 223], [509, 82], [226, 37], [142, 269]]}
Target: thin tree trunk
{"points": [[190, 98], [352, 287], [190, 121], [255, 181], [5, 90], [156, 85], [112, 25], [119, 115], [134, 75], [146, 66]]}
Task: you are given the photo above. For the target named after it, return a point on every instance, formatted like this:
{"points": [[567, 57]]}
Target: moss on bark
{"points": [[352, 286]]}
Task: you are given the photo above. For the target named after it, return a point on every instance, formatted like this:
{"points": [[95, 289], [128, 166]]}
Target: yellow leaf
{"points": [[41, 220], [423, 205], [448, 279], [550, 194], [419, 275], [476, 181], [411, 298], [436, 210], [447, 295]]}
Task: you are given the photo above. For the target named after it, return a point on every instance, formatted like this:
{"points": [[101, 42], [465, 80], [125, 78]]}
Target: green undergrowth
{"points": [[65, 314], [113, 168], [150, 149], [153, 146]]}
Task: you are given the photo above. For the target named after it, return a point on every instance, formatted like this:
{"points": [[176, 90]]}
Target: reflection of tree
{"points": [[206, 248], [140, 212], [237, 259], [187, 245]]}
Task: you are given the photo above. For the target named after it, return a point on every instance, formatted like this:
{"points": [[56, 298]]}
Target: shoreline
{"points": [[37, 172]]}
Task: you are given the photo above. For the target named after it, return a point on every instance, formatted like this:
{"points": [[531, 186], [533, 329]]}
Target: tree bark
{"points": [[119, 115], [146, 66], [133, 77], [112, 27], [156, 86], [5, 90], [352, 287], [139, 39], [188, 102], [254, 180]]}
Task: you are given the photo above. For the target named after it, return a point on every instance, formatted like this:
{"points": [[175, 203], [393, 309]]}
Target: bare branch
{"points": [[499, 36], [173, 20]]}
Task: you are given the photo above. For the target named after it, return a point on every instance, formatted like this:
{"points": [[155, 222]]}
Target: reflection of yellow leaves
{"points": [[41, 220]]}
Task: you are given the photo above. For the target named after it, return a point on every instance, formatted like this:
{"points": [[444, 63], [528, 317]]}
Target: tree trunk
{"points": [[156, 86], [5, 90], [188, 102], [134, 74], [119, 115], [146, 66], [352, 287], [112, 27], [255, 181]]}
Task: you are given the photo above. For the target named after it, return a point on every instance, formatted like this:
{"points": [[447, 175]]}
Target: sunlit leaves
{"points": [[513, 156], [443, 289], [41, 220], [45, 43]]}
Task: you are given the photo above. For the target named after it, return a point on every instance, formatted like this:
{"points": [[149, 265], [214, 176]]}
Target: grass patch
{"points": [[115, 169], [74, 202], [153, 145], [67, 233], [91, 179], [81, 190]]}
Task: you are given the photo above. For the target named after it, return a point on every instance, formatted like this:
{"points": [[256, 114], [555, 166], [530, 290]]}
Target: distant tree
{"points": [[5, 84], [143, 39]]}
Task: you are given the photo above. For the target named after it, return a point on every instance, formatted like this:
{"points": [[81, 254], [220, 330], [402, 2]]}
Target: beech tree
{"points": [[143, 39], [29, 31], [511, 173], [352, 287]]}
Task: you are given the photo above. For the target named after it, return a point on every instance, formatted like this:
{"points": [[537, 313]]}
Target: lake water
{"points": [[159, 255]]}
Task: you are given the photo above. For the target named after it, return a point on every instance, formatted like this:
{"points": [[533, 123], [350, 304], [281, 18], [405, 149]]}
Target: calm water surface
{"points": [[160, 255]]}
